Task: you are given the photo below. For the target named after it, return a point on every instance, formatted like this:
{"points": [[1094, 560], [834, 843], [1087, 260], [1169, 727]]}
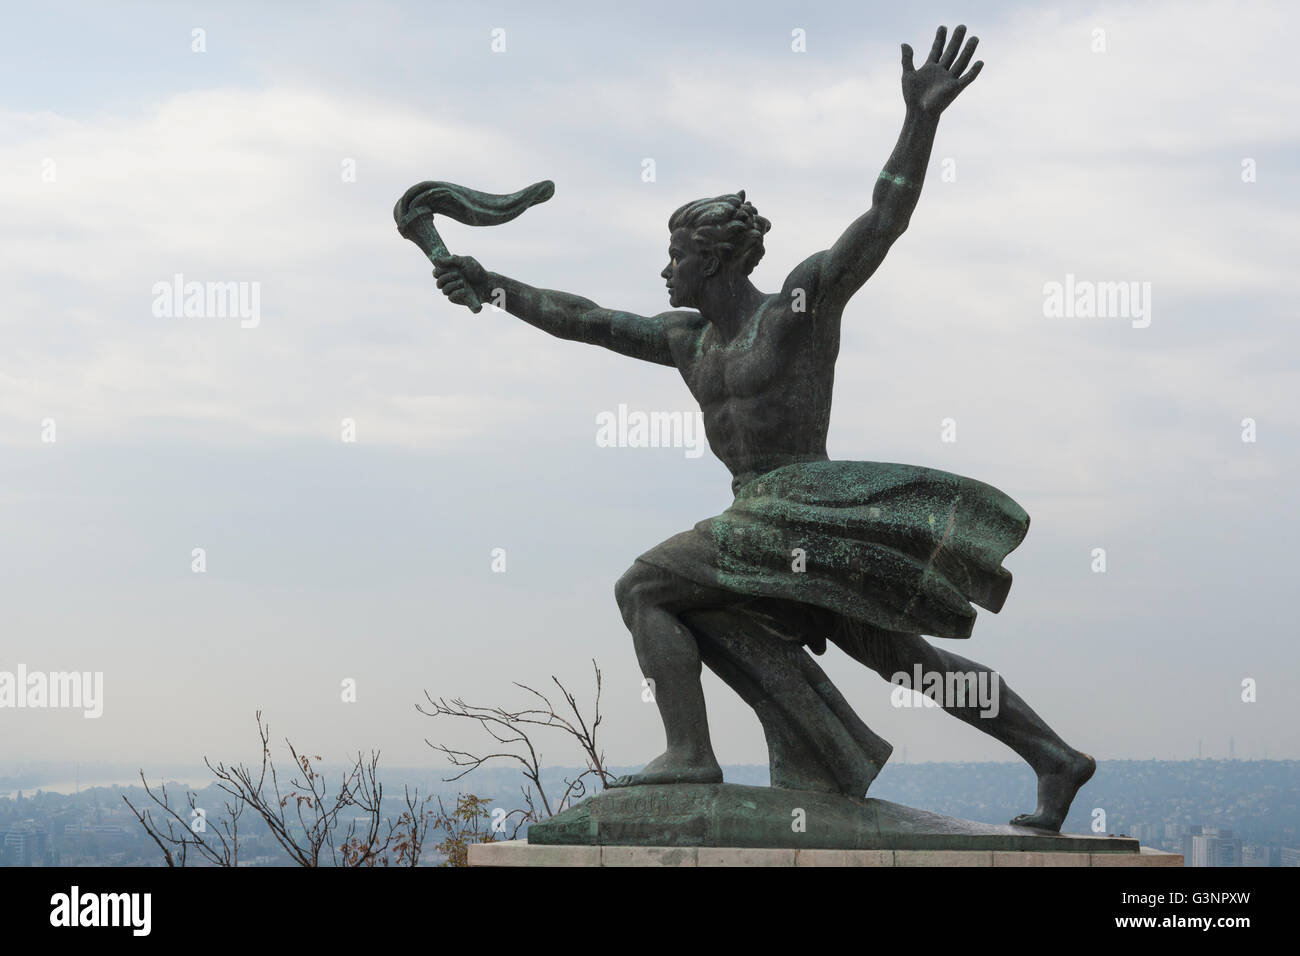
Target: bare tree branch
{"points": [[513, 729], [305, 820]]}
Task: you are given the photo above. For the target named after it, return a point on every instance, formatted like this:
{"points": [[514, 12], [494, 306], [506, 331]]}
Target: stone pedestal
{"points": [[731, 825], [733, 817], [522, 853]]}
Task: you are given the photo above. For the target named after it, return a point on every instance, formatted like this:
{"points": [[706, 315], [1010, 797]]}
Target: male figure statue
{"points": [[889, 551]]}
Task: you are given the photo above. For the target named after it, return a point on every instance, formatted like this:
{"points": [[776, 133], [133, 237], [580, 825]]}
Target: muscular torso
{"points": [[766, 393]]}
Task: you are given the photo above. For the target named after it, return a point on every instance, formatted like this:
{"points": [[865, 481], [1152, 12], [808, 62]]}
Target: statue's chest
{"points": [[736, 370]]}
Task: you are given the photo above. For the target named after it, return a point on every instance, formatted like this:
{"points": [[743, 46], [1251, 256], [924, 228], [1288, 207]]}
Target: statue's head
{"points": [[711, 239]]}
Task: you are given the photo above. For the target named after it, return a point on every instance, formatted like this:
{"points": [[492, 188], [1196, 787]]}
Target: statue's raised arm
{"points": [[927, 92]]}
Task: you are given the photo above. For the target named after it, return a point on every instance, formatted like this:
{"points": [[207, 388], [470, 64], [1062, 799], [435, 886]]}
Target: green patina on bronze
{"points": [[897, 180], [868, 556], [892, 546]]}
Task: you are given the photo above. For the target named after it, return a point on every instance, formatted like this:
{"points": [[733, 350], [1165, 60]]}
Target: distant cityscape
{"points": [[1214, 812]]}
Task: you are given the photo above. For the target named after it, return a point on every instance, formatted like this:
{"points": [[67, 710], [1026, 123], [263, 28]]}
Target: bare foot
{"points": [[669, 767], [1056, 792]]}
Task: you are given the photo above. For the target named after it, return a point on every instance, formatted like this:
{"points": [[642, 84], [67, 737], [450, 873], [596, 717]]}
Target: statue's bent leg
{"points": [[1003, 714], [670, 659], [815, 740]]}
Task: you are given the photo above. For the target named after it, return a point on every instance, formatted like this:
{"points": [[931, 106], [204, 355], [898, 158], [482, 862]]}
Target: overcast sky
{"points": [[1162, 150]]}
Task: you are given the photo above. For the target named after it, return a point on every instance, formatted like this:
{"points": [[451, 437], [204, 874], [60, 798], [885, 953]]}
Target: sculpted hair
{"points": [[725, 226]]}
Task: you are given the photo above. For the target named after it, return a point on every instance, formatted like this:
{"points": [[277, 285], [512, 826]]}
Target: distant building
{"points": [[25, 844], [1211, 846], [1254, 854], [1290, 856], [1147, 834]]}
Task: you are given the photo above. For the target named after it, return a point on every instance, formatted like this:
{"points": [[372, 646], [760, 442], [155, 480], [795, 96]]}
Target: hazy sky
{"points": [[1167, 157]]}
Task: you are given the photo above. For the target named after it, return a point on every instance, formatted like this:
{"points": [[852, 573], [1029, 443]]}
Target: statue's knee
{"points": [[625, 589]]}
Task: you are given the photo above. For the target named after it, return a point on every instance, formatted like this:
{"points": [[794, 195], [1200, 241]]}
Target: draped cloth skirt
{"points": [[886, 548]]}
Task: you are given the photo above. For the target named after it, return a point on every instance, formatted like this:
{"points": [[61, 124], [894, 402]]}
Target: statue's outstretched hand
{"points": [[930, 89], [456, 274]]}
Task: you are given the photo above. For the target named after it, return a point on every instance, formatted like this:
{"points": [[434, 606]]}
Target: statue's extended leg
{"points": [[1061, 769], [669, 656]]}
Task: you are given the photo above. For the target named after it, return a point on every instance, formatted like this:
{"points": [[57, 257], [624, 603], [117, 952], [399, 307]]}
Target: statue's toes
{"points": [[1037, 821]]}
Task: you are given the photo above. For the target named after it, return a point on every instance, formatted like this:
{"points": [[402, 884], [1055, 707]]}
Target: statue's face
{"points": [[687, 270]]}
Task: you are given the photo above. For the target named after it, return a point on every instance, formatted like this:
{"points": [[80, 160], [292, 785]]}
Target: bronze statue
{"points": [[866, 555]]}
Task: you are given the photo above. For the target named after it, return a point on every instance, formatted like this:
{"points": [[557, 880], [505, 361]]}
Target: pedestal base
{"points": [[771, 818], [521, 853]]}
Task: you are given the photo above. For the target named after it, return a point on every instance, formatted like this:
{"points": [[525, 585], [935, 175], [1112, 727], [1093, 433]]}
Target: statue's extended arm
{"points": [[562, 314], [926, 93]]}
